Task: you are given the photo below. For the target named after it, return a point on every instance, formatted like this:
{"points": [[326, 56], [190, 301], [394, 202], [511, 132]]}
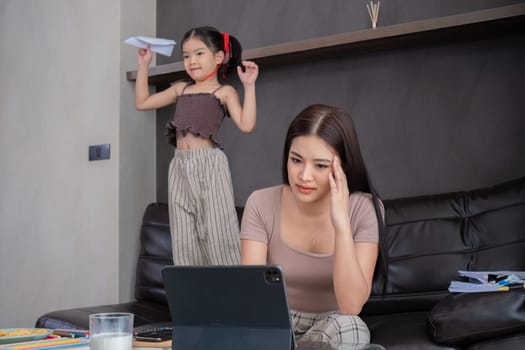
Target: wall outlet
{"points": [[99, 152]]}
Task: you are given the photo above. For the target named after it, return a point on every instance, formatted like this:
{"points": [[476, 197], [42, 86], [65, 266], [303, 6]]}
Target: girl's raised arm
{"points": [[143, 99], [244, 116]]}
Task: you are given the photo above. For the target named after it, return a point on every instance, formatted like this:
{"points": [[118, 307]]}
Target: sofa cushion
{"points": [[155, 253], [429, 238], [463, 318]]}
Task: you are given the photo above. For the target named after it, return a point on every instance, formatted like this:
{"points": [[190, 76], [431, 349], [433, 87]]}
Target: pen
{"points": [[69, 334], [150, 339], [512, 287]]}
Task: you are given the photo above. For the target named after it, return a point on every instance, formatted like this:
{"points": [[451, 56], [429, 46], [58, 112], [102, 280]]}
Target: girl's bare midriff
{"points": [[190, 141]]}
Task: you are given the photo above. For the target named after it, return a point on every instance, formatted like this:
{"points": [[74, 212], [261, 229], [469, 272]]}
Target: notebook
{"points": [[228, 307]]}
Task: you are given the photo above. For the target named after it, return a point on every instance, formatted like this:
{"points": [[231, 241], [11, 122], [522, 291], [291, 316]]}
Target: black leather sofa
{"points": [[427, 240]]}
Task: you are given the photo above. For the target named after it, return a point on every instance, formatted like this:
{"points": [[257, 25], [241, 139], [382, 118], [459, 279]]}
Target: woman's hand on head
{"points": [[340, 197], [251, 71], [144, 57]]}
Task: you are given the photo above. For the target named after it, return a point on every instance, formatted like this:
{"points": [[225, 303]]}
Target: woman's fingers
{"points": [[339, 194], [339, 175]]}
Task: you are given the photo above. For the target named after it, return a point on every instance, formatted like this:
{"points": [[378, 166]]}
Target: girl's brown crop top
{"points": [[198, 113]]}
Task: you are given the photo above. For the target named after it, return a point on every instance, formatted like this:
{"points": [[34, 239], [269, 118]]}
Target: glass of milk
{"points": [[111, 331]]}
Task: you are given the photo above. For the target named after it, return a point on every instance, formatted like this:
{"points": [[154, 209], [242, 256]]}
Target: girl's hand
{"points": [[144, 57], [339, 197], [251, 71]]}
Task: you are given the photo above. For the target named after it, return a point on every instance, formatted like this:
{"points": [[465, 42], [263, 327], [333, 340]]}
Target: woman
{"points": [[321, 226]]}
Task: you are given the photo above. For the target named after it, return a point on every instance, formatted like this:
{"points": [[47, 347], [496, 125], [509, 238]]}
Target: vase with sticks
{"points": [[373, 11]]}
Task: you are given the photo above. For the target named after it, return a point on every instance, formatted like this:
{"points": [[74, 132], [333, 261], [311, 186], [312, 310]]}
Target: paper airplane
{"points": [[158, 45]]}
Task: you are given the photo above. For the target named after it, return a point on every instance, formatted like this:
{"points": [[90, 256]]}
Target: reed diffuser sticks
{"points": [[373, 11]]}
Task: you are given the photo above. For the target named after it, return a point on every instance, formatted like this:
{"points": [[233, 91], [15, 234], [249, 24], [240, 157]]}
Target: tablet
{"points": [[228, 307]]}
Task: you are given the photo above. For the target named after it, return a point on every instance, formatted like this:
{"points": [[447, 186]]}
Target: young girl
{"points": [[322, 226], [203, 220]]}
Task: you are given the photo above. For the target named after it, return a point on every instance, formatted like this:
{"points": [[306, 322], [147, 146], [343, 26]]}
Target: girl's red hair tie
{"points": [[226, 48]]}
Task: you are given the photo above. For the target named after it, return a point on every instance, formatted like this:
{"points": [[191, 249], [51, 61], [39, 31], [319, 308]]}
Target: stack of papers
{"points": [[158, 45], [487, 281]]}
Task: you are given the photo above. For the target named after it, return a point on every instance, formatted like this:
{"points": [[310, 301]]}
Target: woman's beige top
{"points": [[308, 276]]}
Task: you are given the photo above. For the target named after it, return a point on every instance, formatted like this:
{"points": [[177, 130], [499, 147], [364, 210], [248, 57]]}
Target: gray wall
{"points": [[137, 170], [69, 227], [438, 117]]}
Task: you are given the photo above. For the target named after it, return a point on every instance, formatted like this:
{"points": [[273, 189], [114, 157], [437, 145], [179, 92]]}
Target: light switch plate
{"points": [[99, 152]]}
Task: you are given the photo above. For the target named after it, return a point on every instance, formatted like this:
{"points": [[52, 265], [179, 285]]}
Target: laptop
{"points": [[228, 307]]}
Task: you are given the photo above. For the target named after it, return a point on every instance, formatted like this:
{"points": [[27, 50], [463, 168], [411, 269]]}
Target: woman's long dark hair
{"points": [[336, 127], [215, 41]]}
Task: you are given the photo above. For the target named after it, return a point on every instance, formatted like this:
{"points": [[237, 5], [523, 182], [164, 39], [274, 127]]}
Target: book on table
{"points": [[51, 343]]}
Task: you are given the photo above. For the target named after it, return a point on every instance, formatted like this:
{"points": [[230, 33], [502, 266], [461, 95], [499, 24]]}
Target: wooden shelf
{"points": [[468, 25]]}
